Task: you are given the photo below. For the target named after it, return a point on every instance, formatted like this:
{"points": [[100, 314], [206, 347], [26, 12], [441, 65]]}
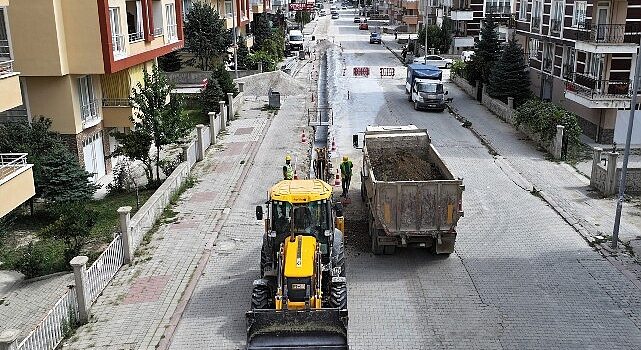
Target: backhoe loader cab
{"points": [[300, 301]]}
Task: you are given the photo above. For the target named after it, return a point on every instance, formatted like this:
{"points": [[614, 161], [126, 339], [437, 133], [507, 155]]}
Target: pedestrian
{"points": [[395, 34], [288, 170], [346, 174]]}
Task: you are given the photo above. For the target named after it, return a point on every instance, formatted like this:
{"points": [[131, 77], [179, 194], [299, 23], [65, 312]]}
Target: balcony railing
{"points": [[172, 32], [555, 25], [10, 163], [133, 37], [158, 32], [593, 88], [6, 67], [118, 44], [116, 102], [568, 71], [609, 33], [497, 9], [90, 113]]}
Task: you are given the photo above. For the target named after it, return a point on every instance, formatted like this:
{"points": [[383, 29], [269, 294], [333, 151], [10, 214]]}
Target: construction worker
{"points": [[346, 174], [288, 170]]}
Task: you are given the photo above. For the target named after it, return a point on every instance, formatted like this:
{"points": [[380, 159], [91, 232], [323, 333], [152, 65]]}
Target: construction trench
{"points": [[320, 117]]}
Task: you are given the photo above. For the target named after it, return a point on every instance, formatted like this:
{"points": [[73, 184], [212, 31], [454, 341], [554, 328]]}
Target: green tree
{"points": [[210, 96], [268, 61], [225, 80], [486, 52], [136, 145], [302, 17], [242, 52], [57, 174], [170, 62], [206, 36], [433, 38], [156, 121], [73, 227], [445, 36], [510, 75], [262, 31]]}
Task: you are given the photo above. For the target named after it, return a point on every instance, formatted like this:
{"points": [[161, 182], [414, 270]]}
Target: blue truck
{"points": [[421, 71]]}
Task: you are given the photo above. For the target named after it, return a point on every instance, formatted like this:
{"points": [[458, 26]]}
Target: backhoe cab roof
{"points": [[300, 191]]}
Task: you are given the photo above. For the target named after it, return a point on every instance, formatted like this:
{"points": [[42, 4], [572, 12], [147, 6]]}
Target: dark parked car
{"points": [[375, 38], [363, 26], [357, 19]]}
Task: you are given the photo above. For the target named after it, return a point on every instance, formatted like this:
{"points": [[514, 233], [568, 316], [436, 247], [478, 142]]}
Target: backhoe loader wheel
{"points": [[266, 257], [338, 253], [338, 295], [261, 297]]}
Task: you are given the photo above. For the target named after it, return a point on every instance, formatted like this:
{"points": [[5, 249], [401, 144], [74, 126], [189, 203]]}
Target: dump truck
{"points": [[300, 301], [413, 197]]}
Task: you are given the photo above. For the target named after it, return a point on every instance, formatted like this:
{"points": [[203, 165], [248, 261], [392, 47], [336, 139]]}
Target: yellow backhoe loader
{"points": [[300, 301]]}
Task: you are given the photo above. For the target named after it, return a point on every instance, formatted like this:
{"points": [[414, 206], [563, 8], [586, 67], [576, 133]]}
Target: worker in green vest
{"points": [[288, 169], [346, 174]]}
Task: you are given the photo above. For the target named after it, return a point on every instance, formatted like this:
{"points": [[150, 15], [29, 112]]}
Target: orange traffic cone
{"points": [[303, 138], [333, 145], [337, 180]]}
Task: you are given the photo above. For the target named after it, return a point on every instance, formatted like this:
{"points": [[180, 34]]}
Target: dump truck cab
{"points": [[301, 297]]}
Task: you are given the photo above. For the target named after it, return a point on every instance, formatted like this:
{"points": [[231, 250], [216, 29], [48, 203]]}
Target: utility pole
{"points": [[427, 9], [626, 154], [233, 21]]}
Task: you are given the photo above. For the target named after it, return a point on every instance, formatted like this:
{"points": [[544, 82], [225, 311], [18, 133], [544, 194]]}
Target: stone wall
{"points": [[464, 85], [606, 174]]}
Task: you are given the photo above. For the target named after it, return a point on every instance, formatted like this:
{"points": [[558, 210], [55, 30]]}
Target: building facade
{"points": [[79, 61], [581, 56]]}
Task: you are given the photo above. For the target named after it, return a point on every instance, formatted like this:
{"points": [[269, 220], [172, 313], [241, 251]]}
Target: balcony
{"points": [[462, 15], [608, 38], [410, 19], [118, 46], [116, 112], [90, 114], [410, 5], [536, 24], [498, 9], [16, 181], [135, 37], [463, 41], [10, 95], [598, 93], [568, 71]]}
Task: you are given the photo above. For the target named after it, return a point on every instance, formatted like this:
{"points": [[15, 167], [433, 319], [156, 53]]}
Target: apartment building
{"points": [[79, 61], [16, 176], [581, 56]]}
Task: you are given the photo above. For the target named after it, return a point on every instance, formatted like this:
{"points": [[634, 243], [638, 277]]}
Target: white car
{"points": [[434, 60], [466, 55]]}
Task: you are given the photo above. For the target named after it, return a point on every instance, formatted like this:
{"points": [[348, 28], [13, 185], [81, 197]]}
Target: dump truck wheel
{"points": [[338, 295], [376, 249], [338, 253], [389, 249], [363, 193], [261, 297], [266, 257]]}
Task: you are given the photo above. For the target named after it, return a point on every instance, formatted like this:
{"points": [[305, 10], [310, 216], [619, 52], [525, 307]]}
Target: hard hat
{"points": [[288, 157], [345, 158]]}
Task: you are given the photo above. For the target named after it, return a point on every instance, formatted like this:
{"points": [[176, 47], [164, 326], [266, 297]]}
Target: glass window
{"points": [[578, 19], [533, 48], [228, 9], [311, 218], [430, 88], [523, 9]]}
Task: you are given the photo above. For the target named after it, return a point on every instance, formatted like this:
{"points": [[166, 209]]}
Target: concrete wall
{"points": [[53, 97], [10, 95], [17, 190]]}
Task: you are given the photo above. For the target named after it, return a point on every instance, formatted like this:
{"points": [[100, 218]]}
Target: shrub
{"points": [[269, 61], [41, 258], [123, 180], [168, 165], [458, 68]]}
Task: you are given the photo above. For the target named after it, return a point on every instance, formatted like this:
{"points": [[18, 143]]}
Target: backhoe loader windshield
{"points": [[309, 218]]}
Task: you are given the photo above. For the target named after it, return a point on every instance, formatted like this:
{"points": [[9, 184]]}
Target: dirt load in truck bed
{"points": [[399, 165]]}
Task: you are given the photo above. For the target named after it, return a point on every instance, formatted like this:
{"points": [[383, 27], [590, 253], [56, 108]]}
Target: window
{"points": [[117, 39], [578, 18], [523, 9], [88, 104], [229, 10], [170, 14], [556, 20], [533, 48], [568, 63], [536, 15], [548, 60], [5, 53], [594, 64]]}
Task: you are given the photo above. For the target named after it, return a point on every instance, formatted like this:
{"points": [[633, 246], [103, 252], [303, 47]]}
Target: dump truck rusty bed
{"points": [[297, 329], [418, 201]]}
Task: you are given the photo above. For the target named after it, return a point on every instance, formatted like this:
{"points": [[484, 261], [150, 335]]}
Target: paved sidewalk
{"points": [[561, 186], [135, 308]]}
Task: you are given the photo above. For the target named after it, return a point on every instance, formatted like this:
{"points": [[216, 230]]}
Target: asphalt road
{"points": [[520, 277]]}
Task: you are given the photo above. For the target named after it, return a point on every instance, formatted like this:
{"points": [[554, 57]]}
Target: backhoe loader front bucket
{"points": [[297, 329]]}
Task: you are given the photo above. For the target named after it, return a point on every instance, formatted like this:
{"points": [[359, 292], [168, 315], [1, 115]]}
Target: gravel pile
{"points": [[259, 84]]}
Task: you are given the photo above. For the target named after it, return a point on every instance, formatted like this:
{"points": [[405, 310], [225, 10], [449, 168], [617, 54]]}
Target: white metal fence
{"points": [[206, 138], [58, 321], [104, 268]]}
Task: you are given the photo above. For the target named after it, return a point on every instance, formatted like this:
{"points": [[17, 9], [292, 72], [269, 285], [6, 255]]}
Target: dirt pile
{"points": [[395, 165], [259, 84]]}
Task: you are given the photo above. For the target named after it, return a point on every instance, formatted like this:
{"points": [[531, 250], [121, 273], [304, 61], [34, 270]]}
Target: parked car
{"points": [[363, 26], [335, 15], [375, 38], [434, 60], [357, 19], [322, 13], [343, 7], [466, 55]]}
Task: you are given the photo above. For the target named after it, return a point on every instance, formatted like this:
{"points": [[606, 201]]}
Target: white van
{"points": [[428, 94], [295, 40]]}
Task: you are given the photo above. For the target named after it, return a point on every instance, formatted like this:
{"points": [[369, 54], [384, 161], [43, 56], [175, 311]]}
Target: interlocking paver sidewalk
{"points": [[136, 307], [566, 189]]}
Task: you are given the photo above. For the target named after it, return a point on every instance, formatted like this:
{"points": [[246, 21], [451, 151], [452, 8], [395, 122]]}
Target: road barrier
{"points": [[387, 72], [361, 71]]}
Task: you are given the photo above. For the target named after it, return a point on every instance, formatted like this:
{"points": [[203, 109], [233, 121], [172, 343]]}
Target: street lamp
{"points": [[626, 154], [233, 21], [427, 8]]}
